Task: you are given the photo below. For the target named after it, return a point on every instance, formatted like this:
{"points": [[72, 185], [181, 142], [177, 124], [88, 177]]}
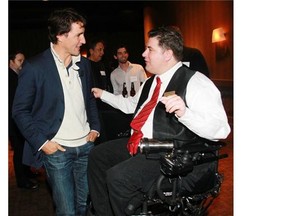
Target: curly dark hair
{"points": [[60, 22]]}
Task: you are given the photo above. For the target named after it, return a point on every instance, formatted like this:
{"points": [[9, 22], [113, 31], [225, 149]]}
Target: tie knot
{"points": [[158, 80]]}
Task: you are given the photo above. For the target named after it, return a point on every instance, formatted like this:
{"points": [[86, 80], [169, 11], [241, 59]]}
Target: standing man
{"points": [[100, 70], [190, 110], [22, 171], [194, 59], [126, 72], [101, 79], [57, 114]]}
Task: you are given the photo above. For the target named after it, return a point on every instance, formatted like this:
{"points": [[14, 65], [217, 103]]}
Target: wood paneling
{"points": [[197, 19]]}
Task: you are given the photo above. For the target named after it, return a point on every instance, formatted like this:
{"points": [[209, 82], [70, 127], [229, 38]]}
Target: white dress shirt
{"points": [[205, 114], [135, 73]]}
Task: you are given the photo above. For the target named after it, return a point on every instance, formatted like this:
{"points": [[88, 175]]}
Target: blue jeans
{"points": [[67, 176]]}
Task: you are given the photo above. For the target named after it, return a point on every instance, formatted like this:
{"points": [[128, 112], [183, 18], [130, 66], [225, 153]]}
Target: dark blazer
{"points": [[38, 107], [99, 80]]}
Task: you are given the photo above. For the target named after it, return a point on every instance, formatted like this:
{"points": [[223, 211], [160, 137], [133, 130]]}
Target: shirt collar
{"points": [[165, 77], [129, 65], [75, 59]]}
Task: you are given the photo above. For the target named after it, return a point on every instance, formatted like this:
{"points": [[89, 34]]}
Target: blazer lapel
{"points": [[51, 68]]}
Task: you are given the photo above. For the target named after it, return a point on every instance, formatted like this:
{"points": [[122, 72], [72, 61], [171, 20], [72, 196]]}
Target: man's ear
{"points": [[59, 38], [90, 51], [168, 54], [115, 57]]}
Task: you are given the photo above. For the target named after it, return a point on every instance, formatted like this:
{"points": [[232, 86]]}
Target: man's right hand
{"points": [[51, 147], [97, 92]]}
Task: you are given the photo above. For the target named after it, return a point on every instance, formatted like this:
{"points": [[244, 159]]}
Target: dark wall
{"points": [[113, 21], [124, 22]]}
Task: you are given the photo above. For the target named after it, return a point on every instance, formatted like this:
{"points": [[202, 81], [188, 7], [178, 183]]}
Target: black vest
{"points": [[165, 125]]}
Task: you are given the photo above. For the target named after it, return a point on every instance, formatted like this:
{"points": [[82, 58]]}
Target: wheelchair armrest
{"points": [[147, 146], [201, 145]]}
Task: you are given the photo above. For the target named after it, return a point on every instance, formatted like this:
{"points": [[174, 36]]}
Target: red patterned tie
{"points": [[140, 119]]}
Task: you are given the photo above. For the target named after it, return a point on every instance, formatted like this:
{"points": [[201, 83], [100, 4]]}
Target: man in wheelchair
{"points": [[174, 104]]}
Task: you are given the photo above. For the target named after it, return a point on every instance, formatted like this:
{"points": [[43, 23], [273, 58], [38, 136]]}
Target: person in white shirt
{"points": [[126, 72], [192, 111]]}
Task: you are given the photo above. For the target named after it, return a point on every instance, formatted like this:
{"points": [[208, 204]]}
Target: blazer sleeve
{"points": [[38, 107], [91, 106], [23, 106]]}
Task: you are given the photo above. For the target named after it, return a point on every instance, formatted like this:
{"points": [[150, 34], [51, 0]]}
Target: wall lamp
{"points": [[219, 38]]}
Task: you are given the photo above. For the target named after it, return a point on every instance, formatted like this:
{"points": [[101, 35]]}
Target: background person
{"points": [[100, 70], [194, 59], [22, 171], [126, 72]]}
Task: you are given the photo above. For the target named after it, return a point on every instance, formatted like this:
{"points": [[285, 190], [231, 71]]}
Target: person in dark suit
{"points": [[101, 79], [22, 171], [194, 59], [57, 113], [188, 108], [101, 70]]}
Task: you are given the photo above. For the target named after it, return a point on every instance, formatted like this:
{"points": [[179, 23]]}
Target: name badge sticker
{"points": [[187, 64], [166, 94], [133, 79]]}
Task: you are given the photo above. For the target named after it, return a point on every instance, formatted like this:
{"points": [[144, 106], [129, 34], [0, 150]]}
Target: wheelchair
{"points": [[176, 161]]}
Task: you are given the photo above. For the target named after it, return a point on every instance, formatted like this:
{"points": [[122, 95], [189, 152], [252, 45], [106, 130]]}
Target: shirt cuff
{"points": [[42, 145]]}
